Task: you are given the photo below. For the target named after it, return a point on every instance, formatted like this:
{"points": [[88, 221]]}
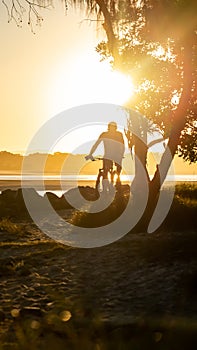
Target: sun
{"points": [[103, 84], [120, 87], [87, 81]]}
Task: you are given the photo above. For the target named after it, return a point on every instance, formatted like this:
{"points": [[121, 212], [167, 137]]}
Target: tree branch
{"points": [[112, 41], [17, 10], [154, 142]]}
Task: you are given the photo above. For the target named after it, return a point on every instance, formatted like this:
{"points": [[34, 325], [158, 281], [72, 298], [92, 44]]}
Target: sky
{"points": [[55, 70], [51, 71]]}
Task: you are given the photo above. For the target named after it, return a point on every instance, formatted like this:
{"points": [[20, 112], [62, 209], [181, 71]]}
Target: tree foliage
{"points": [[156, 43]]}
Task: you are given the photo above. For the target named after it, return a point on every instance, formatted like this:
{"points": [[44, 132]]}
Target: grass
{"points": [[6, 225], [186, 194], [182, 214]]}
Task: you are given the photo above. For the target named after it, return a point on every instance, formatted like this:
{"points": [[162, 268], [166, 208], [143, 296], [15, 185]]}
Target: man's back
{"points": [[112, 135], [113, 145]]}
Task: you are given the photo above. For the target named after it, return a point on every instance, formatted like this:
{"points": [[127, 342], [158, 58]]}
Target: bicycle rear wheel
{"points": [[98, 180]]}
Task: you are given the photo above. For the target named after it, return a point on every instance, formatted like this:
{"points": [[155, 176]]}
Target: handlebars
{"points": [[93, 159]]}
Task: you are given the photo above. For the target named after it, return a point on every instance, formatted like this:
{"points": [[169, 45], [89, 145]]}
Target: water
{"points": [[60, 184], [81, 178], [48, 177]]}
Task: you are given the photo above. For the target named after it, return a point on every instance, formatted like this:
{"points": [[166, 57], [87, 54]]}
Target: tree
{"points": [[160, 55], [155, 42]]}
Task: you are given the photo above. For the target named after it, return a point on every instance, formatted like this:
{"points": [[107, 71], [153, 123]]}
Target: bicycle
{"points": [[107, 184]]}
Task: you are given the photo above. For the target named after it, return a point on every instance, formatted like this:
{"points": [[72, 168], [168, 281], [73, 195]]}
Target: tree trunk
{"points": [[178, 125], [108, 27], [141, 178], [179, 121]]}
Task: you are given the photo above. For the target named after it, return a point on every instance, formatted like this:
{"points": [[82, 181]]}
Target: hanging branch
{"points": [[107, 25], [18, 8]]}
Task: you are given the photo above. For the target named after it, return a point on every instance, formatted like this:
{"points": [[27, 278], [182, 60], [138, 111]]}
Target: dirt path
{"points": [[138, 274], [141, 276]]}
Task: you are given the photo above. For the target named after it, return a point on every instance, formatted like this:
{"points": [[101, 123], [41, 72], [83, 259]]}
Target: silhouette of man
{"points": [[113, 149]]}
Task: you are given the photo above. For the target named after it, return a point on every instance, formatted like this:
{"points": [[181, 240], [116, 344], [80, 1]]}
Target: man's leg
{"points": [[107, 165], [118, 171]]}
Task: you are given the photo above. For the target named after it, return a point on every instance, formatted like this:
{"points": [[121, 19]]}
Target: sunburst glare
{"points": [[93, 81]]}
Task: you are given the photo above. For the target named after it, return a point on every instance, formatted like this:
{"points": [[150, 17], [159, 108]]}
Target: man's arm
{"points": [[94, 147], [121, 138], [122, 145]]}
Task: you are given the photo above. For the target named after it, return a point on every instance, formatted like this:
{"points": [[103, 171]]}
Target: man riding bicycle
{"points": [[113, 150]]}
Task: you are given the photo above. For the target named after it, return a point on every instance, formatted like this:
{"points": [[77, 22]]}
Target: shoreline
{"points": [[49, 185], [56, 185]]}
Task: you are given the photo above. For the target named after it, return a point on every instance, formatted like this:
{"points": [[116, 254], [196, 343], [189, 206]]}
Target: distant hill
{"points": [[65, 163]]}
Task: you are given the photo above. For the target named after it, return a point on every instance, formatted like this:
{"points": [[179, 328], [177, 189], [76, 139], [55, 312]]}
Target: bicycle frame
{"points": [[109, 180]]}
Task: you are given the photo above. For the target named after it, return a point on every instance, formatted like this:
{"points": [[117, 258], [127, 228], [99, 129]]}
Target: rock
{"points": [[7, 202], [51, 196], [29, 193], [86, 192], [8, 195], [89, 193], [12, 202], [54, 200], [4, 211], [31, 196], [64, 203]]}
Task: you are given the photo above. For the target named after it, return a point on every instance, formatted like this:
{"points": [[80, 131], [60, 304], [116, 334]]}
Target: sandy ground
{"points": [[143, 281], [136, 278]]}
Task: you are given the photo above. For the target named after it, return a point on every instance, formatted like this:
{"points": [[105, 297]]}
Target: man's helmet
{"points": [[112, 125]]}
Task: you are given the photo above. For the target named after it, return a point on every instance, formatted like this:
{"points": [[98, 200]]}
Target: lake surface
{"points": [[82, 178], [60, 184]]}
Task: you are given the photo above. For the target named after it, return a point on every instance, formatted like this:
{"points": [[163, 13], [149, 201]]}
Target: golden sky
{"points": [[51, 71], [48, 72]]}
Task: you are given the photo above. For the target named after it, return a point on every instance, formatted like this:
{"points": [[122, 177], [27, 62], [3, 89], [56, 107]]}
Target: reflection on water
{"points": [[48, 177], [79, 178], [61, 184]]}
